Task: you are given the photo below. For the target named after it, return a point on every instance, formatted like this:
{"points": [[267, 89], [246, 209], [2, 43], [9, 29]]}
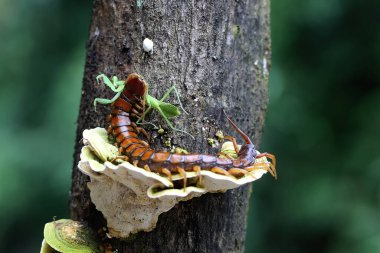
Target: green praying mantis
{"points": [[167, 110]]}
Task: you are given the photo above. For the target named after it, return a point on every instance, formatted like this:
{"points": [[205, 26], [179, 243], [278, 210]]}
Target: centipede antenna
{"points": [[245, 137]]}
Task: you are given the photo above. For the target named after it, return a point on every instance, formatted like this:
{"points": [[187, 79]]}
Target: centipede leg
{"points": [[140, 130], [135, 162], [135, 111], [225, 155], [166, 172], [138, 107], [270, 156], [249, 169], [221, 171], [228, 137], [263, 166], [236, 172], [272, 164], [146, 167], [122, 157], [197, 169], [109, 130], [182, 172]]}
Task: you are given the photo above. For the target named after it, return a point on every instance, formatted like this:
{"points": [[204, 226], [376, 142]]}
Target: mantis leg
{"points": [[153, 103], [105, 101], [177, 95], [115, 85], [170, 124], [143, 115]]}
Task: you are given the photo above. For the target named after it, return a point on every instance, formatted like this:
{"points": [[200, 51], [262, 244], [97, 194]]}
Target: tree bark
{"points": [[217, 53]]}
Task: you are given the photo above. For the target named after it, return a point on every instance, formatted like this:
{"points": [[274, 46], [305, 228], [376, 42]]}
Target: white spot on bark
{"points": [[265, 67], [229, 39], [148, 45], [97, 32]]}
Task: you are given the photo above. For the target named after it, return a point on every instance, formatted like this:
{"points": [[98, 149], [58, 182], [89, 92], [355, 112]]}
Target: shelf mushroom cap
{"points": [[68, 236], [131, 198]]}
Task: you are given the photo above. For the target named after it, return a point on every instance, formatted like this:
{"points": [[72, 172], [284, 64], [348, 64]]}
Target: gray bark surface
{"points": [[217, 53]]}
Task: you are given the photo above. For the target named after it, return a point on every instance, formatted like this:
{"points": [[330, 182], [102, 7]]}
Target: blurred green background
{"points": [[323, 124]]}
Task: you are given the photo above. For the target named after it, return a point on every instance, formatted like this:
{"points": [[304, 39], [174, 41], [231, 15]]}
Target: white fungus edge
{"points": [[131, 198]]}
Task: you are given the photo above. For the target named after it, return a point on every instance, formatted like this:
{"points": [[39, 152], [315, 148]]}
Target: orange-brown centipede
{"points": [[130, 105]]}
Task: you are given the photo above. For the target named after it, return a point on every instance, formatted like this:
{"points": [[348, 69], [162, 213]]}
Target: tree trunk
{"points": [[217, 53]]}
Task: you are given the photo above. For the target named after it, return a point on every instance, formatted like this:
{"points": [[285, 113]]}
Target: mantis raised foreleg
{"points": [[116, 86]]}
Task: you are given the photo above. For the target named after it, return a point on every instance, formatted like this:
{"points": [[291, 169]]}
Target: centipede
{"points": [[129, 107]]}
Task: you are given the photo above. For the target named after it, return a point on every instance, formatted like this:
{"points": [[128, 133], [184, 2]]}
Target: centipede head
{"points": [[135, 85]]}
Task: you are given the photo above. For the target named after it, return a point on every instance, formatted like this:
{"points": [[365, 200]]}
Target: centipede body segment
{"points": [[130, 106]]}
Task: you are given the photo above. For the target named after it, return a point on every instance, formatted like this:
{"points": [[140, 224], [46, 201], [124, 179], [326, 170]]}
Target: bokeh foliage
{"points": [[42, 52], [322, 124]]}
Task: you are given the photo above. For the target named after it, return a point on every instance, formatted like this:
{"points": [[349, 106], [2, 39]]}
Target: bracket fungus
{"points": [[68, 236], [131, 198]]}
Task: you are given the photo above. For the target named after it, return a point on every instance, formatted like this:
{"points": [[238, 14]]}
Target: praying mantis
{"points": [[166, 110]]}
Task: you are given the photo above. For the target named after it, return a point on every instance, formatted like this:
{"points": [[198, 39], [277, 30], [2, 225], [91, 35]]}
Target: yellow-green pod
{"points": [[68, 236]]}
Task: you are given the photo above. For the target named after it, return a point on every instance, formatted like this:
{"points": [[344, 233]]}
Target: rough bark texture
{"points": [[218, 54]]}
